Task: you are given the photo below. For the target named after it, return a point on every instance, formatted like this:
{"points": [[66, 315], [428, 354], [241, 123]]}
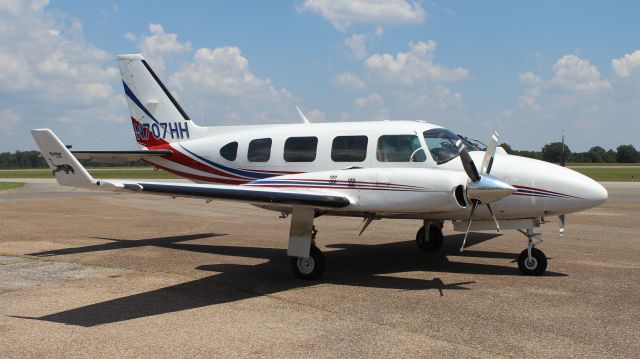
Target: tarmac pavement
{"points": [[97, 274]]}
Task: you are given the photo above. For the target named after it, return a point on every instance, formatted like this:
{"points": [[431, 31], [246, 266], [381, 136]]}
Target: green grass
{"points": [[611, 174], [122, 172], [599, 174], [10, 185], [587, 164]]}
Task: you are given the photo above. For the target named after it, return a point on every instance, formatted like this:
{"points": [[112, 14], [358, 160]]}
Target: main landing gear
{"points": [[532, 261], [312, 267], [430, 240], [307, 261]]}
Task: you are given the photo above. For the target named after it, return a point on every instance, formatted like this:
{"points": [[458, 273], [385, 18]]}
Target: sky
{"points": [[530, 70]]}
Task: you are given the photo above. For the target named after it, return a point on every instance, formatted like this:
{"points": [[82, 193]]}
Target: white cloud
{"points": [[343, 13], [573, 73], [130, 36], [159, 46], [626, 65], [530, 79], [349, 81], [412, 67], [223, 71], [49, 72], [316, 115], [9, 120], [219, 81], [357, 44], [372, 99]]}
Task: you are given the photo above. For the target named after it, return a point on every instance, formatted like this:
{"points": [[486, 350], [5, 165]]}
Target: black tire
{"points": [[310, 268], [538, 264], [434, 240]]}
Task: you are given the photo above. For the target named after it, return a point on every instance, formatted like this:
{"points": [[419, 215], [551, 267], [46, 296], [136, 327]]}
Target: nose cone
{"points": [[565, 190], [594, 192]]}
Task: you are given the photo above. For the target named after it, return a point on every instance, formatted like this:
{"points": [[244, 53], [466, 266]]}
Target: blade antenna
{"points": [[302, 116]]}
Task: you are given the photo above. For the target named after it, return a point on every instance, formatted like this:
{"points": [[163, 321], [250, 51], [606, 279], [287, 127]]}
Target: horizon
{"points": [[529, 71]]}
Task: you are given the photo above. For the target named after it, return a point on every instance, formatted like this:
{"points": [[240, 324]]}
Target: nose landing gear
{"points": [[532, 261], [429, 237]]}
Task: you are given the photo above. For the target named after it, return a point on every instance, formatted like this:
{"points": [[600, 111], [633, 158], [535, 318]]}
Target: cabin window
{"points": [[349, 148], [300, 149], [442, 144], [229, 151], [400, 148], [259, 150]]}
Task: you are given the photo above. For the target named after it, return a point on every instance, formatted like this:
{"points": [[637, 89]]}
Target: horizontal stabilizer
{"points": [[66, 168], [119, 156]]}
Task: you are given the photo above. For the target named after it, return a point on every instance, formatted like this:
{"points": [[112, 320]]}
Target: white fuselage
{"points": [[379, 182]]}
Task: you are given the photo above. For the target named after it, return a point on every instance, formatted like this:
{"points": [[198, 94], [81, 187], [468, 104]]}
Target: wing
{"points": [[69, 172], [119, 156]]}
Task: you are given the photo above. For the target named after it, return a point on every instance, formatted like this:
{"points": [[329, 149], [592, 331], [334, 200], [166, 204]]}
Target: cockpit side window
{"points": [[399, 148], [442, 144]]}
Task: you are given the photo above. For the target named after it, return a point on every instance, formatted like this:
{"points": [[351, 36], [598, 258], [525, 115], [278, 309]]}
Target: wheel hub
{"points": [[306, 265], [531, 263]]}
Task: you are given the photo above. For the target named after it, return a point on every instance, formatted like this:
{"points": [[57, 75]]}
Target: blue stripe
{"points": [[248, 174], [337, 184], [550, 195], [135, 100]]}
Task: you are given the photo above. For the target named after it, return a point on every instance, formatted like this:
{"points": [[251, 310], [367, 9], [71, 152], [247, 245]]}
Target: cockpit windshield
{"points": [[442, 144]]}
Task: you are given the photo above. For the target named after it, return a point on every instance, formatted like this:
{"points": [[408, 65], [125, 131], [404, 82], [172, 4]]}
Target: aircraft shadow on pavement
{"points": [[348, 264]]}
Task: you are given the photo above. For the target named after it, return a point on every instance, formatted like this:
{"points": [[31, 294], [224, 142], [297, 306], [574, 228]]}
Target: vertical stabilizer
{"points": [[156, 116]]}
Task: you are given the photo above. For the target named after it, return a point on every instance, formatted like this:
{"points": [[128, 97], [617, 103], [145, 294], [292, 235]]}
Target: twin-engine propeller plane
{"points": [[373, 170]]}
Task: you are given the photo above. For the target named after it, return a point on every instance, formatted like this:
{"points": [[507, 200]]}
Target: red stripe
{"points": [[182, 159], [198, 177], [330, 187], [541, 190]]}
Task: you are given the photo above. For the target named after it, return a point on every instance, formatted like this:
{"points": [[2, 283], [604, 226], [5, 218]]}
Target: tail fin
{"points": [[66, 168], [157, 117]]}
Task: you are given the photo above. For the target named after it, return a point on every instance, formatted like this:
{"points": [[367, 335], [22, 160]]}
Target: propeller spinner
{"points": [[482, 188]]}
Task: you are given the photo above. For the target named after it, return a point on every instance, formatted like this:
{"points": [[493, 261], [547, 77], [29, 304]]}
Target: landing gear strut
{"points": [[430, 240], [532, 261], [307, 261]]}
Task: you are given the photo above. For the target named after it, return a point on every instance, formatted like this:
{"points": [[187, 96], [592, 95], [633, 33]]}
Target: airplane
{"points": [[371, 170]]}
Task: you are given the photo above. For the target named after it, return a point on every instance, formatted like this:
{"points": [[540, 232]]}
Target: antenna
{"points": [[302, 116]]}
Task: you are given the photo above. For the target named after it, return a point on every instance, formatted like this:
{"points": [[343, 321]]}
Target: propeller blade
{"points": [[562, 159], [487, 162], [494, 217], [473, 212], [467, 162]]}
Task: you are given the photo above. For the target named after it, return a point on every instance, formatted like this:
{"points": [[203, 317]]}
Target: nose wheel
{"points": [[430, 240], [532, 261]]}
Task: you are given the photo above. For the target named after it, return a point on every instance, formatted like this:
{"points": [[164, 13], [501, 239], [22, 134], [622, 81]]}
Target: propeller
{"points": [[562, 163], [482, 188]]}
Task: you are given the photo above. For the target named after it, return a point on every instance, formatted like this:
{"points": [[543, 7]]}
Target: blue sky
{"points": [[530, 70]]}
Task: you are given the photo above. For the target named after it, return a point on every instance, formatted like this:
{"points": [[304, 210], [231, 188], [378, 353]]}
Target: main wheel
{"points": [[309, 268], [536, 265], [434, 239]]}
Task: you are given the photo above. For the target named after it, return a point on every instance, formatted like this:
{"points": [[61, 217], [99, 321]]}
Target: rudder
{"points": [[156, 116]]}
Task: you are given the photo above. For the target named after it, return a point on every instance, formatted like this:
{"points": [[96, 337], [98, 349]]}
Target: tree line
{"points": [[551, 152], [32, 159]]}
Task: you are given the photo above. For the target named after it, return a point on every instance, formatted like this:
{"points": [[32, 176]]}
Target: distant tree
{"points": [[596, 154], [626, 154], [507, 148], [551, 152], [610, 156]]}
